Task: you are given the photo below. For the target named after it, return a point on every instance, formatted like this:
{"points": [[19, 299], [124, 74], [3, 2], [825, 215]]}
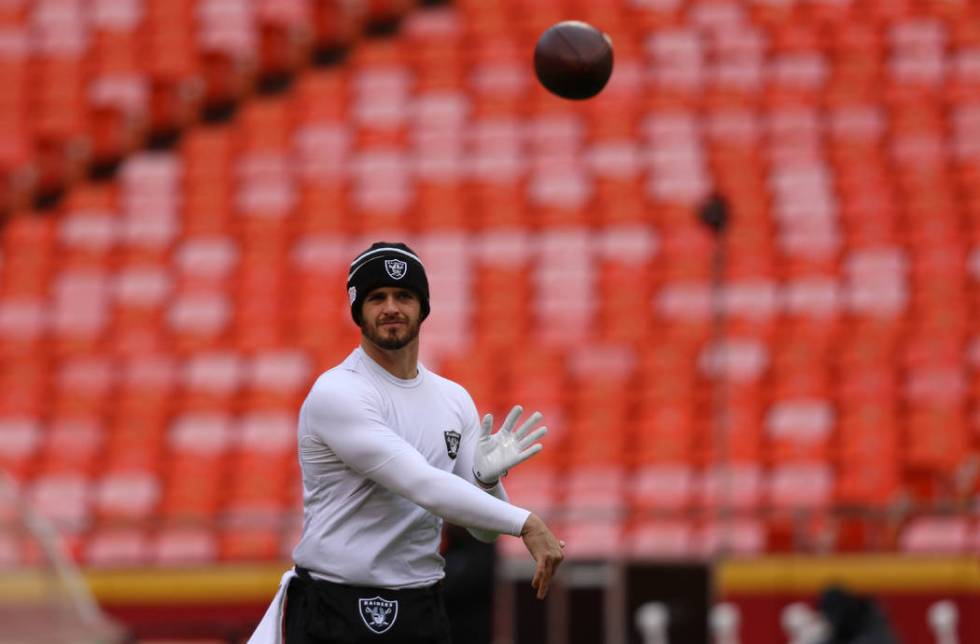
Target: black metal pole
{"points": [[714, 214]]}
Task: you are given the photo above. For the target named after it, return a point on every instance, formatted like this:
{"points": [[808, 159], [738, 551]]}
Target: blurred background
{"points": [[741, 284]]}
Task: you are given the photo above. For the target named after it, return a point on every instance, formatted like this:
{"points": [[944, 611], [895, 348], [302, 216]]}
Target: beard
{"points": [[391, 338]]}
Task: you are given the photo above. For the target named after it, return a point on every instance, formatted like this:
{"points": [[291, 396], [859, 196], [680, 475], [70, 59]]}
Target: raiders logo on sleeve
{"points": [[452, 443]]}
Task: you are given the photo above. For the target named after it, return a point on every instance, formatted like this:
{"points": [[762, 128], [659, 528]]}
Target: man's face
{"points": [[391, 317]]}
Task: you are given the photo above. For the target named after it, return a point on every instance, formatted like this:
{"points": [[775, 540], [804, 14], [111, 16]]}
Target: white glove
{"points": [[498, 453]]}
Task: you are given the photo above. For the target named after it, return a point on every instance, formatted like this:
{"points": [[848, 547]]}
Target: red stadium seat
{"points": [[662, 487], [64, 499], [665, 434], [180, 546], [869, 482], [25, 385], [250, 543], [663, 539], [936, 535], [738, 536], [800, 485], [725, 487], [800, 428], [535, 487], [937, 438], [595, 491], [593, 539], [116, 547], [72, 444], [127, 495]]}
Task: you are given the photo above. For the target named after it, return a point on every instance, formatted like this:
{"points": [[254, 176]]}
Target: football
{"points": [[573, 60]]}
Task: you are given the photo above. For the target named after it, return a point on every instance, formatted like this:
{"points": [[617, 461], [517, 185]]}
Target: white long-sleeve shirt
{"points": [[384, 460]]}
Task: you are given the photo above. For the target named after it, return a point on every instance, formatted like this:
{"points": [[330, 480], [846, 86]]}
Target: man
{"points": [[387, 451], [853, 619]]}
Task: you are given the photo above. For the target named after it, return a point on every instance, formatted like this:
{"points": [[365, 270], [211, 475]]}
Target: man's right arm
{"points": [[347, 419]]}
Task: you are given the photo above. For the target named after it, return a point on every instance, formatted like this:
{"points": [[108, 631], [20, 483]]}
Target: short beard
{"points": [[390, 343]]}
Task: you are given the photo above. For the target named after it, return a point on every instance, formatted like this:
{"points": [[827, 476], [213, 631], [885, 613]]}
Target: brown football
{"points": [[573, 59]]}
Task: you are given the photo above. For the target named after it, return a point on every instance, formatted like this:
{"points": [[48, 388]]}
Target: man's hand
{"points": [[546, 550], [508, 447]]}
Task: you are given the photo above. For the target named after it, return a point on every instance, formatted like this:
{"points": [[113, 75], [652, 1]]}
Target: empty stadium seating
{"points": [[159, 327]]}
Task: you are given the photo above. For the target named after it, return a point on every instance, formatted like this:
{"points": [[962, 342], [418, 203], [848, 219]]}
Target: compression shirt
{"points": [[384, 460]]}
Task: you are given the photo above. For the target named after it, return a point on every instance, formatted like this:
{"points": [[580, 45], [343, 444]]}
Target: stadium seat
{"points": [[662, 487], [127, 494], [666, 433], [800, 485], [116, 547], [177, 546], [63, 498], [136, 435], [800, 428], [594, 492], [249, 543], [593, 539], [536, 487], [661, 539], [868, 430], [26, 385], [727, 487], [935, 535], [937, 437], [72, 443], [197, 443], [738, 536]]}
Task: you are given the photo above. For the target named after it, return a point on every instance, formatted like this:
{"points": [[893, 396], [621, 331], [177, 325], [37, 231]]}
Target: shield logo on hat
{"points": [[396, 268], [452, 443], [378, 614]]}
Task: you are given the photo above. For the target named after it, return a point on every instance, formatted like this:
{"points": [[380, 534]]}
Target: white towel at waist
{"points": [[269, 630]]}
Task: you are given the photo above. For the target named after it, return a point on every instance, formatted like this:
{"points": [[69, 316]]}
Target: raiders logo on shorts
{"points": [[452, 443], [378, 614]]}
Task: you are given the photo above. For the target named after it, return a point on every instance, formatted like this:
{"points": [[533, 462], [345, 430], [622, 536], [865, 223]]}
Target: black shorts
{"points": [[322, 612]]}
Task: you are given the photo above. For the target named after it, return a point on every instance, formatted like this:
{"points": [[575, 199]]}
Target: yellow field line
{"points": [[257, 583], [218, 584], [862, 573]]}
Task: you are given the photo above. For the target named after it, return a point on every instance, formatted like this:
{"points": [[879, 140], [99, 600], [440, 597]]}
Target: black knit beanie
{"points": [[386, 264]]}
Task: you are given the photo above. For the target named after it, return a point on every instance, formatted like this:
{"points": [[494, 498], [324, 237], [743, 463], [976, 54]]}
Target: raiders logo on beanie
{"points": [[386, 264]]}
